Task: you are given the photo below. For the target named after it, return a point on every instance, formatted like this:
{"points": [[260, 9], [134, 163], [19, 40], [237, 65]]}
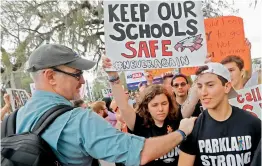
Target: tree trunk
{"points": [[12, 80]]}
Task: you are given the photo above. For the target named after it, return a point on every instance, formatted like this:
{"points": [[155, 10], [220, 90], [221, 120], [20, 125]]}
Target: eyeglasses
{"points": [[76, 75], [183, 84]]}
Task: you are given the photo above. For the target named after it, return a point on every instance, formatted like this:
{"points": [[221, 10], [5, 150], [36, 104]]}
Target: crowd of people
{"points": [[180, 122]]}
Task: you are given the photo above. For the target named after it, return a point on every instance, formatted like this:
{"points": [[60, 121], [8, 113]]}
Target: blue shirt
{"points": [[79, 135]]}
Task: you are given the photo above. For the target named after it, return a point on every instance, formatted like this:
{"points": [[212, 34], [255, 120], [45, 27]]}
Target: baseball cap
{"points": [[221, 70], [50, 55]]}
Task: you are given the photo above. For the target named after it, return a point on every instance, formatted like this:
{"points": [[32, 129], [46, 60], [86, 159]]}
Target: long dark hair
{"points": [[147, 95]]}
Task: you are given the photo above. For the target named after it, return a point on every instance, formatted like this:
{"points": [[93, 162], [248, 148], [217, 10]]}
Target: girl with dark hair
{"points": [[156, 114]]}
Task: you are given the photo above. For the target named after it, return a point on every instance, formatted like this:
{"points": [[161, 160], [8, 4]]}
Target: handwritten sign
{"points": [[188, 71], [18, 97], [225, 36], [154, 34], [249, 99]]}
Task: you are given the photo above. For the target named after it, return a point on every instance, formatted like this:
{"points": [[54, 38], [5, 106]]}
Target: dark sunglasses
{"points": [[183, 84], [76, 75]]}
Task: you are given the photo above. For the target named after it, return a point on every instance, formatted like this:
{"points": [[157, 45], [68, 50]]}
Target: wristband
{"points": [[113, 79], [183, 134]]}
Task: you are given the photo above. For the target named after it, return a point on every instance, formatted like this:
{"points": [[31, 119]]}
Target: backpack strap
{"points": [[8, 126], [48, 118]]}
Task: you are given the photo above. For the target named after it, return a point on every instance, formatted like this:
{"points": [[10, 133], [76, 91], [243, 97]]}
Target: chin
{"points": [[208, 106], [76, 97], [181, 95], [161, 118]]}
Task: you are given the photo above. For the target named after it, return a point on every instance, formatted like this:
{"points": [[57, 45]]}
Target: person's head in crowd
{"points": [[180, 85], [167, 79], [155, 104], [149, 77], [108, 101], [235, 65], [58, 69], [89, 104], [137, 95], [100, 108], [214, 85], [80, 103], [141, 86], [133, 95]]}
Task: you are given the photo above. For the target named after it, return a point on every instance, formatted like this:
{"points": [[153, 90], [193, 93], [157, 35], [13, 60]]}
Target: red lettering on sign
{"points": [[129, 47], [164, 48], [249, 97], [240, 99], [153, 47], [143, 49]]}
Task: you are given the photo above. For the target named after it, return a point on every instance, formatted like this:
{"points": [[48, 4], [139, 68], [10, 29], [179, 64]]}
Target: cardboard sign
{"points": [[225, 36], [18, 97], [154, 34], [249, 99], [107, 92]]}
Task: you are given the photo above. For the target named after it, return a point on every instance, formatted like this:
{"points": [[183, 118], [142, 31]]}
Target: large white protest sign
{"points": [[154, 34], [18, 97], [249, 99], [106, 92]]}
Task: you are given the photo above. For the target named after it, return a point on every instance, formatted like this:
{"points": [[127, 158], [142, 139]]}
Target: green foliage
{"points": [[98, 85]]}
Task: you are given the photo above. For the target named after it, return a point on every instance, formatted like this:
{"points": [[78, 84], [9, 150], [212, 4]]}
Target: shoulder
{"points": [[201, 119], [83, 114], [245, 115], [246, 119]]}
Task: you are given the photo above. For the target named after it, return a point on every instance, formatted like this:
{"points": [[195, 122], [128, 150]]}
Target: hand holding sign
{"points": [[106, 64]]}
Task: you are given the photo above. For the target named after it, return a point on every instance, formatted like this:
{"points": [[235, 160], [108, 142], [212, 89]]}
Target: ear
{"points": [[228, 87], [243, 73], [189, 86], [49, 76]]}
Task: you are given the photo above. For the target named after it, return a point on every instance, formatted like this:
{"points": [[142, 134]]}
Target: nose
{"points": [[203, 91], [160, 108], [82, 80]]}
